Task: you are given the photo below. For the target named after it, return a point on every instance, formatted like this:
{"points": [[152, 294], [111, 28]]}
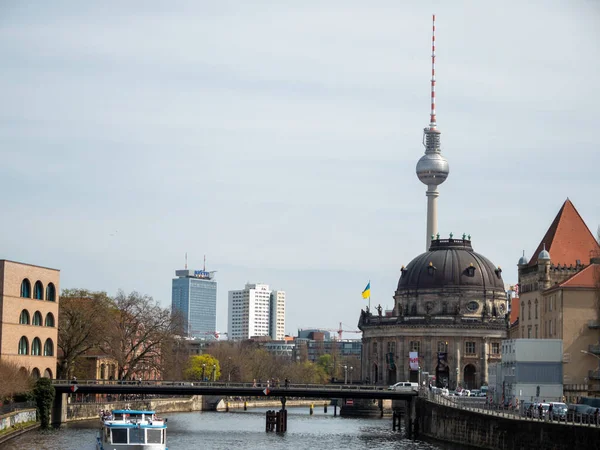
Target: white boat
{"points": [[127, 429]]}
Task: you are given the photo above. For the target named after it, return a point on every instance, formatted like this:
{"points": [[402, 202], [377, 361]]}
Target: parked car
{"points": [[580, 413], [559, 411], [405, 386], [475, 393]]}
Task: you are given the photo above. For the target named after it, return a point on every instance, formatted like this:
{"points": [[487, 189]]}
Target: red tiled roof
{"points": [[568, 239], [587, 277], [514, 309]]}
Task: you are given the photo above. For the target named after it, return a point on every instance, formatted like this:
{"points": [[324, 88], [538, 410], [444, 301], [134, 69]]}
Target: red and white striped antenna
{"points": [[432, 121]]}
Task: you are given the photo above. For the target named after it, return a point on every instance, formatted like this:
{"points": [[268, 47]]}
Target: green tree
{"points": [[44, 396], [202, 368]]}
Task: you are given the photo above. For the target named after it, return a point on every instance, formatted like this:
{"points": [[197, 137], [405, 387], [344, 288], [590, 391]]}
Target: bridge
{"points": [[328, 391]]}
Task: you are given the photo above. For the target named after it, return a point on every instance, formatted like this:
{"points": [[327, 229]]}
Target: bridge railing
{"points": [[258, 384], [515, 413]]}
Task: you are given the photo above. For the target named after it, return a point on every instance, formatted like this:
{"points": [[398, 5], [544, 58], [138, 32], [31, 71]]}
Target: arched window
{"points": [[35, 373], [37, 319], [48, 373], [38, 290], [529, 309], [25, 288], [49, 320], [36, 347], [23, 346], [50, 292], [24, 318], [536, 309], [48, 347], [522, 310]]}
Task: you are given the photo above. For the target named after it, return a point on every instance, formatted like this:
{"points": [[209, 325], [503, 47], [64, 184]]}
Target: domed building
{"points": [[449, 314]]}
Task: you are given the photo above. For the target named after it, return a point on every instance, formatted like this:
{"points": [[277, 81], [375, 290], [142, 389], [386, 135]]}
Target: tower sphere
{"points": [[432, 169]]}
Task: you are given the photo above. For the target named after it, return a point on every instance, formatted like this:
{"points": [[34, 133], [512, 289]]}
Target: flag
{"points": [[367, 292]]}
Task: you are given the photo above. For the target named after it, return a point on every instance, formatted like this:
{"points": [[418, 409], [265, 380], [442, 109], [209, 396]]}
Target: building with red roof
{"points": [[559, 296]]}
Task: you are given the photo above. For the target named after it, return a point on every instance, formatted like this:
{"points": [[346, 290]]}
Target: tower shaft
{"points": [[432, 229]]}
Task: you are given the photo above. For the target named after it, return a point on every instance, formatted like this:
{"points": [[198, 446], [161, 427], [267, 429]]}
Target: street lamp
{"points": [[203, 368], [229, 368], [214, 372], [345, 374], [351, 377]]}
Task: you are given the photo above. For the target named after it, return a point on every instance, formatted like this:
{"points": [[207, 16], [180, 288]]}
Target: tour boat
{"points": [[126, 429]]}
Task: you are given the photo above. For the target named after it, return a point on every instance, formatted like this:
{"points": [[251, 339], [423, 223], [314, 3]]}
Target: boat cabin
{"points": [[131, 428]]}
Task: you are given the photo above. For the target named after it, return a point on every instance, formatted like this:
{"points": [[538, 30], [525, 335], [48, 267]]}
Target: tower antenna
{"points": [[204, 268], [432, 122], [185, 260]]}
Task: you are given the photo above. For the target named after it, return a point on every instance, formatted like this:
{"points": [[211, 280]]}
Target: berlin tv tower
{"points": [[432, 168]]}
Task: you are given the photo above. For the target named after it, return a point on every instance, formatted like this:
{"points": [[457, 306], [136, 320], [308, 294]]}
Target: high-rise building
{"points": [[194, 296], [256, 311]]}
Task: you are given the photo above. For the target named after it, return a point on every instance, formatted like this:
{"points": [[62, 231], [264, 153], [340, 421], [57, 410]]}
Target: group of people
{"points": [[272, 382]]}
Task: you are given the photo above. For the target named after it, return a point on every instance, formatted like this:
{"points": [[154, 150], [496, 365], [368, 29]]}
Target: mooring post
{"points": [[283, 400], [325, 407], [312, 407], [245, 406], [380, 408], [335, 409]]}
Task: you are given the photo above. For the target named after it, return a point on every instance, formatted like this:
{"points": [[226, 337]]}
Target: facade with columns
{"points": [[450, 313]]}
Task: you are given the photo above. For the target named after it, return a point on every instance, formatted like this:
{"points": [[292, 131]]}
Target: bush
{"points": [[44, 396]]}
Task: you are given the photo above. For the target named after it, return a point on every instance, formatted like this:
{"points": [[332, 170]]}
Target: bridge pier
{"points": [[411, 421], [59, 410]]}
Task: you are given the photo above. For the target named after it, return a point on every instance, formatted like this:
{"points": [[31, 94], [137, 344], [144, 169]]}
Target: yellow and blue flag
{"points": [[367, 292]]}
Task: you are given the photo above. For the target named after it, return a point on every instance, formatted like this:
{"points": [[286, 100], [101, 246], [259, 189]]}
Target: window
{"points": [[442, 346], [523, 310], [529, 332], [536, 309], [374, 348], [48, 348], [391, 347], [495, 348], [24, 318], [119, 436], [26, 288], [37, 319], [38, 291], [23, 346], [415, 346], [536, 331], [49, 320], [36, 347], [50, 292], [470, 348], [529, 309]]}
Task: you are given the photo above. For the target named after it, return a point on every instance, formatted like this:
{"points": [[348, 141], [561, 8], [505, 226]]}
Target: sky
{"points": [[280, 139]]}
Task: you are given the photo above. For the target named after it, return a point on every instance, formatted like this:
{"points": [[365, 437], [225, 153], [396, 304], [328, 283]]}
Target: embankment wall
{"points": [[488, 431]]}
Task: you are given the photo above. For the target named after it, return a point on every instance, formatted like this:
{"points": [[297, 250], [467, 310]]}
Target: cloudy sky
{"points": [[280, 139]]}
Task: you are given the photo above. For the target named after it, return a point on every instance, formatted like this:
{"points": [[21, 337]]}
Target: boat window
{"points": [[136, 435], [119, 436], [155, 437], [118, 416]]}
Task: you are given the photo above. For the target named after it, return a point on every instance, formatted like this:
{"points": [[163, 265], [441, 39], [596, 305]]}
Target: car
{"points": [[475, 393], [580, 413], [559, 411], [405, 386]]}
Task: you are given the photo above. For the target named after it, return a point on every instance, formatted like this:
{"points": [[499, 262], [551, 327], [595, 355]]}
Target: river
{"points": [[243, 430]]}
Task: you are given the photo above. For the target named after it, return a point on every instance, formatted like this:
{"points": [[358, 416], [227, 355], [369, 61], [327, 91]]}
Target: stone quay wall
{"points": [[487, 431]]}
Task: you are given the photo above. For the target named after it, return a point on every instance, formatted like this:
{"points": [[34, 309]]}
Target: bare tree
{"points": [[137, 329], [80, 325], [13, 380]]}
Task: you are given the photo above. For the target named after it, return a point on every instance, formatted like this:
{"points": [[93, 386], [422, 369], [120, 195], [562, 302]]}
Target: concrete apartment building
{"points": [[558, 295], [256, 311], [29, 317]]}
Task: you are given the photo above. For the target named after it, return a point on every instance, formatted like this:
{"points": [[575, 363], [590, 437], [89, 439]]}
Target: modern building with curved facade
{"points": [[29, 317]]}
